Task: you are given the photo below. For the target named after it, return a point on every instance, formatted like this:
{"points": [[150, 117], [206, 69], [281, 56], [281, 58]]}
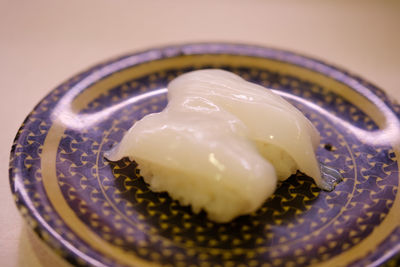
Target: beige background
{"points": [[42, 43]]}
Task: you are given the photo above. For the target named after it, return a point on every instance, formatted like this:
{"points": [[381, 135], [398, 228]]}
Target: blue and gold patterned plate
{"points": [[99, 213]]}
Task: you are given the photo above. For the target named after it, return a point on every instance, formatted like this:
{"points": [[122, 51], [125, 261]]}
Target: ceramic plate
{"points": [[94, 212]]}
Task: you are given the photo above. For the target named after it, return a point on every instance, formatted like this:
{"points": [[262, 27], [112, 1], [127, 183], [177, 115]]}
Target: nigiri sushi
{"points": [[221, 144]]}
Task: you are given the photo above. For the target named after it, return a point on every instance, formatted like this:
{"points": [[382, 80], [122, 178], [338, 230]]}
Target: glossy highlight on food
{"points": [[222, 144]]}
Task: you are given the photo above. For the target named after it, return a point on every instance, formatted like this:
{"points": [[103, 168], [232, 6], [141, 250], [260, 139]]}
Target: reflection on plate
{"points": [[95, 212]]}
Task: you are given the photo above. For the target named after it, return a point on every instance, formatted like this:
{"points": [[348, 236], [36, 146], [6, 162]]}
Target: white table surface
{"points": [[42, 43]]}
